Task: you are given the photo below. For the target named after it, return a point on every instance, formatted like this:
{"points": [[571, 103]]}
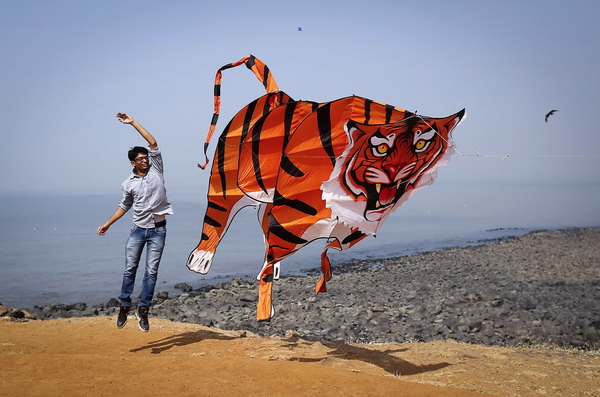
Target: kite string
{"points": [[504, 156], [500, 156], [450, 144], [459, 153]]}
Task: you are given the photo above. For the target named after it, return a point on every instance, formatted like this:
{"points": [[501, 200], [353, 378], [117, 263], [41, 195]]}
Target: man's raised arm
{"points": [[127, 119]]}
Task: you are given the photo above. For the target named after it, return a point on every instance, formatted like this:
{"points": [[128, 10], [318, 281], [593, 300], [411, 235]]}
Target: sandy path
{"points": [[90, 356]]}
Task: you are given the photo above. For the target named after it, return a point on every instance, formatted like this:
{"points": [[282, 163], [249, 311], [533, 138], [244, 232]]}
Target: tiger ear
{"points": [[451, 122], [349, 126], [352, 130]]}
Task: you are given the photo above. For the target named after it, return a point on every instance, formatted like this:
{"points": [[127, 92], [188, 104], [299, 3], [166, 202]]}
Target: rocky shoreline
{"points": [[540, 287]]}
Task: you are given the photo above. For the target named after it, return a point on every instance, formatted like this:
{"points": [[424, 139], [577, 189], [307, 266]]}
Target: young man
{"points": [[144, 190]]}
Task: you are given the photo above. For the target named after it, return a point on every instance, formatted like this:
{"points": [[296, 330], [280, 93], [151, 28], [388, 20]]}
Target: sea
{"points": [[51, 254]]}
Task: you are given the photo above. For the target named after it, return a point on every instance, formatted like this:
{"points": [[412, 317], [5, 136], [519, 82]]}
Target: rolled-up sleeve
{"points": [[127, 200]]}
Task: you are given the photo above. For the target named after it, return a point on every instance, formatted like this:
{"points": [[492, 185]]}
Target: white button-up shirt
{"points": [[147, 194]]}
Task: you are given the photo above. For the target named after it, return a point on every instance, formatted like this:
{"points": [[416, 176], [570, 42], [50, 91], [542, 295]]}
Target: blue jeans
{"points": [[154, 240]]}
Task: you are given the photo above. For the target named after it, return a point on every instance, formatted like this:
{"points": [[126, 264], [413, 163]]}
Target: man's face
{"points": [[141, 163]]}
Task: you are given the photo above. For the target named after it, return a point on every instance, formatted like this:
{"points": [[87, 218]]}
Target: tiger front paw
{"points": [[200, 261]]}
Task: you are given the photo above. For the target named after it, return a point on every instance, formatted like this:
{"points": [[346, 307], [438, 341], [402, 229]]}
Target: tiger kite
{"points": [[334, 170]]}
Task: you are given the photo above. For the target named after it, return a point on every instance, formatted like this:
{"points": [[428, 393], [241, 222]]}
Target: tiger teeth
{"points": [[378, 187]]}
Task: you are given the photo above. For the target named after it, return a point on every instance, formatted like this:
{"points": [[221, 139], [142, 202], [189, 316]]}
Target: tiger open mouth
{"points": [[382, 197], [387, 194]]}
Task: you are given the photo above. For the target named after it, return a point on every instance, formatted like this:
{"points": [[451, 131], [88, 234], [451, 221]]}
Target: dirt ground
{"points": [[90, 356]]}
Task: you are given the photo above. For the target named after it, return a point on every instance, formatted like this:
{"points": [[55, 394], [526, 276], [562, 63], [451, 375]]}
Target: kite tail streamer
{"points": [[326, 267], [263, 74], [265, 309]]}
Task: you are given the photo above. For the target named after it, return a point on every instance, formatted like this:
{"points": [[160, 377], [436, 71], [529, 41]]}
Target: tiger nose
{"points": [[391, 169]]}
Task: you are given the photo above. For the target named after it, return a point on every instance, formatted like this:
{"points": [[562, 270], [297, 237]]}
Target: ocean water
{"points": [[50, 252]]}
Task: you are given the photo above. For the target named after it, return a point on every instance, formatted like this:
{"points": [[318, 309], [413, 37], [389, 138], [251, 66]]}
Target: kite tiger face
{"points": [[387, 161], [383, 163]]}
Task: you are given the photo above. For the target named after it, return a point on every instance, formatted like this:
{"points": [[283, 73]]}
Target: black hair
{"points": [[134, 151]]}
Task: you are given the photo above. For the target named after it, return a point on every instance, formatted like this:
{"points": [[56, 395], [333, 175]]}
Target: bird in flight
{"points": [[550, 113]]}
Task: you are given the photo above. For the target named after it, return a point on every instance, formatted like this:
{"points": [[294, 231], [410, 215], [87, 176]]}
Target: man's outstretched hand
{"points": [[124, 118]]}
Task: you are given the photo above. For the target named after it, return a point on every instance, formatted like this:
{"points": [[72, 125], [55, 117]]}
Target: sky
{"points": [[67, 67]]}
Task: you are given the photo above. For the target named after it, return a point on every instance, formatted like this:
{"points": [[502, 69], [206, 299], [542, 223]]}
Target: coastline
{"points": [[540, 287], [546, 281]]}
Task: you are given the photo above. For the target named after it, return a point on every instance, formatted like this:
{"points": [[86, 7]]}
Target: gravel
{"points": [[543, 287]]}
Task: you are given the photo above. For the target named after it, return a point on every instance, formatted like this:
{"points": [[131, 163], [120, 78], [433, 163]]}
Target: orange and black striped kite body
{"points": [[333, 170]]}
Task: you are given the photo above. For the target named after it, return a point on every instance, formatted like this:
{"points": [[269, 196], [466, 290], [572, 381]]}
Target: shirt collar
{"points": [[135, 175]]}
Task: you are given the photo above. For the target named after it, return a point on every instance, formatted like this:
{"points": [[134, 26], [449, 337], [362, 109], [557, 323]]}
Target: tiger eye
{"points": [[420, 144], [382, 149]]}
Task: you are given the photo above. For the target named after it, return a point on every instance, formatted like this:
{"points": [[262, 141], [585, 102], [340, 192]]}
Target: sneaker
{"points": [[122, 317], [142, 315]]}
